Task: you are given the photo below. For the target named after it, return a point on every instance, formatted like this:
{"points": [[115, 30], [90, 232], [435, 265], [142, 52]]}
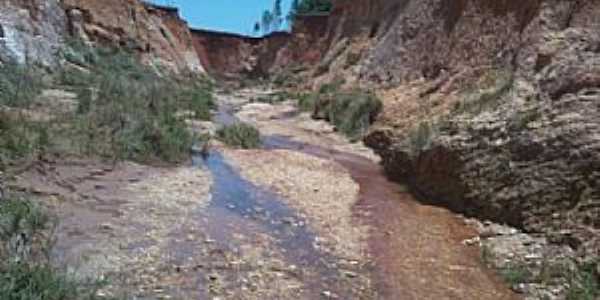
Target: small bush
{"points": [[520, 120], [486, 254], [353, 113], [199, 100], [240, 135], [285, 78], [350, 112], [353, 59], [331, 87]]}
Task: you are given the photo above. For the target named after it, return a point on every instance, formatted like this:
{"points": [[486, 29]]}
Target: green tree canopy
{"points": [[309, 7], [272, 20]]}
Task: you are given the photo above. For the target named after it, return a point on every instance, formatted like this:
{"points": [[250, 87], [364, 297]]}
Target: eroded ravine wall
{"points": [[491, 109]]}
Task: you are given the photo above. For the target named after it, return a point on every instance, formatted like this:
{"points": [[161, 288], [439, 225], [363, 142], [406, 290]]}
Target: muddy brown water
{"points": [[417, 249]]}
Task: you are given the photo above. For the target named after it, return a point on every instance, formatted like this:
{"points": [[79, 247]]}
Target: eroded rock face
{"points": [[226, 55], [31, 31], [157, 33], [526, 153]]}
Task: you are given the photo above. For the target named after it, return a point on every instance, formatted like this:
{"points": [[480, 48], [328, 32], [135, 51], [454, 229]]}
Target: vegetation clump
{"points": [[310, 7], [240, 135], [124, 110], [350, 112], [273, 19], [25, 271]]}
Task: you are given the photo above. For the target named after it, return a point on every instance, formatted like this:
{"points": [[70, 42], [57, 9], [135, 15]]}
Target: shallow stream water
{"points": [[416, 249]]}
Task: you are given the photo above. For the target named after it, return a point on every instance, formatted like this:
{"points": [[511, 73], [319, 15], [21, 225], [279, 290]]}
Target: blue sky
{"points": [[236, 16]]}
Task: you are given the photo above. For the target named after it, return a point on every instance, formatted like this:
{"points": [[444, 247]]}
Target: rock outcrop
{"points": [[34, 31], [155, 32], [31, 31]]}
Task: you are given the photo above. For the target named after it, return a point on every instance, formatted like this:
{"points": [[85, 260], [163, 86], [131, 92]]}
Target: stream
{"points": [[398, 266]]}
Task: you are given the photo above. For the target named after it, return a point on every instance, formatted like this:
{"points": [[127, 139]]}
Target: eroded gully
{"points": [[308, 216]]}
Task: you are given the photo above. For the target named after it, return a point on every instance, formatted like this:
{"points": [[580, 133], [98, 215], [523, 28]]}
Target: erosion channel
{"points": [[308, 215]]}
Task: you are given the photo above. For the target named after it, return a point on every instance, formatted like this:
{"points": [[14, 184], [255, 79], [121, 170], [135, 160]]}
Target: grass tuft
{"points": [[350, 112], [240, 135], [25, 274]]}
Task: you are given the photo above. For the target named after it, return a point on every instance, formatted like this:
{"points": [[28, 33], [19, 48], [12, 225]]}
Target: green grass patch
{"points": [[350, 112], [131, 111], [125, 110], [240, 135], [25, 273]]}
